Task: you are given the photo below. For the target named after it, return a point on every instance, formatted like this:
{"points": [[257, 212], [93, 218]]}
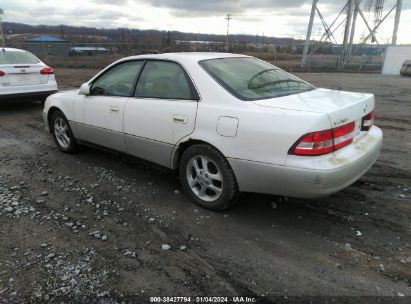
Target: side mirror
{"points": [[84, 89]]}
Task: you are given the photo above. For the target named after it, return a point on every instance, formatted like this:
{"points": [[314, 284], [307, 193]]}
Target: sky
{"points": [[277, 18]]}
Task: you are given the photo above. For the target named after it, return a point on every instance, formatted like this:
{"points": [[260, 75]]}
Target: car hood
{"points": [[340, 106], [70, 91]]}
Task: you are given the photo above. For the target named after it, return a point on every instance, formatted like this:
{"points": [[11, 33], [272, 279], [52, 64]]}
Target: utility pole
{"points": [[397, 21], [123, 39], [262, 41], [62, 31], [310, 28], [1, 29], [228, 18]]}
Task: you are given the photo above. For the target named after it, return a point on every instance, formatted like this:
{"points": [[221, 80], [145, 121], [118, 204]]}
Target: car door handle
{"points": [[179, 118], [114, 108]]}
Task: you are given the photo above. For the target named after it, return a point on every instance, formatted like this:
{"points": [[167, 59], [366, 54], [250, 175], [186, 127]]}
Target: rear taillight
{"points": [[323, 142], [316, 143], [47, 71], [367, 121], [343, 136], [2, 73]]}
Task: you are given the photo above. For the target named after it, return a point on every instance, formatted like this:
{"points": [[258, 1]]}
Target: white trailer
{"points": [[395, 56]]}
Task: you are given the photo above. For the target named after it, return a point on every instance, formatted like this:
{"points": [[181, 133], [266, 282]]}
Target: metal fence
{"points": [[99, 55]]}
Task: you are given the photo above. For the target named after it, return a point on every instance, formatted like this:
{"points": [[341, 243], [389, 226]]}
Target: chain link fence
{"points": [[98, 55]]}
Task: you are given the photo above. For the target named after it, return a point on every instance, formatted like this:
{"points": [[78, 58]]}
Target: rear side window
{"points": [[163, 80], [17, 57], [118, 81]]}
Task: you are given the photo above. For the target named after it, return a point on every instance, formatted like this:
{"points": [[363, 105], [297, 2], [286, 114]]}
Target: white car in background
{"points": [[24, 76], [228, 123]]}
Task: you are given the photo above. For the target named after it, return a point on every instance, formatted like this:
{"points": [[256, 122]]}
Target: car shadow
{"points": [[20, 105]]}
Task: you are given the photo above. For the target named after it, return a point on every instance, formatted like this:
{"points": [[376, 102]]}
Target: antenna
{"points": [[228, 18]]}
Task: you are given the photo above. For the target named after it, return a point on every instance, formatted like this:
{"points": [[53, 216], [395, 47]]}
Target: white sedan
{"points": [[229, 123], [23, 75]]}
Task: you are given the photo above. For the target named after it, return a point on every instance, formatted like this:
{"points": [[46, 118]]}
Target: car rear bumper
{"points": [[322, 176], [35, 91], [27, 95]]}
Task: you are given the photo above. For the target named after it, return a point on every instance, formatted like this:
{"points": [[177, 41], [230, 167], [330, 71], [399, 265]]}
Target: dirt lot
{"points": [[92, 227]]}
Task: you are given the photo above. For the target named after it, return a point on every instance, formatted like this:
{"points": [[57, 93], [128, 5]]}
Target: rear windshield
{"points": [[16, 57], [252, 79]]}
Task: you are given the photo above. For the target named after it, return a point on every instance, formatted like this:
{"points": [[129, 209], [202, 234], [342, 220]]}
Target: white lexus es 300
{"points": [[229, 123], [24, 76]]}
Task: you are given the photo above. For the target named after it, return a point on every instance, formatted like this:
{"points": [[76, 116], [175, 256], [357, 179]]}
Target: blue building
{"points": [[43, 46], [46, 39]]}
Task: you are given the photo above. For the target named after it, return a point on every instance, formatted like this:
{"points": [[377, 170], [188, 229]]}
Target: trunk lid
{"points": [[341, 107], [22, 74]]}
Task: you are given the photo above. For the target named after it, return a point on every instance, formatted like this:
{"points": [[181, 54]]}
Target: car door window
{"points": [[118, 81], [163, 80]]}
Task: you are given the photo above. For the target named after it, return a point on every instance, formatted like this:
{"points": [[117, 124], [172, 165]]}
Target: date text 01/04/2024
{"points": [[236, 299]]}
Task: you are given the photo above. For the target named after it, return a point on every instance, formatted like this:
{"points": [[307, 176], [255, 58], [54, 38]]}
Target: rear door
{"points": [[99, 116], [162, 112]]}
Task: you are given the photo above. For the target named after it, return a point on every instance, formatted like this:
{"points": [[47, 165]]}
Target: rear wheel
{"points": [[62, 134], [207, 177]]}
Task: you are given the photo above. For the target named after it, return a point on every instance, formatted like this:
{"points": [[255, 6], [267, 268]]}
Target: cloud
{"points": [[89, 13], [219, 7], [111, 2], [279, 18]]}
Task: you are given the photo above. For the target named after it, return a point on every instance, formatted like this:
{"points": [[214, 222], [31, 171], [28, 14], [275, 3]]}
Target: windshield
{"points": [[17, 57], [251, 79]]}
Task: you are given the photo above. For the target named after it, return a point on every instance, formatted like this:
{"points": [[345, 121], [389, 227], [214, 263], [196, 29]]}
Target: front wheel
{"points": [[207, 178], [62, 134]]}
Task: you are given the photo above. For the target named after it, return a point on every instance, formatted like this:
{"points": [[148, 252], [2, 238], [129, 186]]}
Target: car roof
{"points": [[12, 49], [187, 56]]}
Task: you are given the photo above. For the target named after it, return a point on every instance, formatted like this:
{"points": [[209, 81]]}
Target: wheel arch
{"points": [[50, 112], [229, 193], [183, 146]]}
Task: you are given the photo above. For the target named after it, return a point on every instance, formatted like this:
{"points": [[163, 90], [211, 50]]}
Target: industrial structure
{"points": [[348, 16]]}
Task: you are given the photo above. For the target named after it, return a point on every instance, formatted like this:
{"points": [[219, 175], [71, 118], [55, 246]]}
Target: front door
{"points": [[162, 111], [99, 116]]}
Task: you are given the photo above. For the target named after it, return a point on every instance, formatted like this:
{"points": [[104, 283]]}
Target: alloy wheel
{"points": [[204, 178], [61, 131]]}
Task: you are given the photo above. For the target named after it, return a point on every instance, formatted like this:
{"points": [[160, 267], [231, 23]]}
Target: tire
{"points": [[62, 134], [207, 178]]}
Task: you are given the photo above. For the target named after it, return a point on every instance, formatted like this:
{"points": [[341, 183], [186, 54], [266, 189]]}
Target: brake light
{"points": [[367, 121], [47, 71], [324, 142], [2, 73], [316, 143], [343, 136]]}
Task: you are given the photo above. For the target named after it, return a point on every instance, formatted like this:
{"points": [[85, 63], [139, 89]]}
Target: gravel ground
{"points": [[97, 227]]}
